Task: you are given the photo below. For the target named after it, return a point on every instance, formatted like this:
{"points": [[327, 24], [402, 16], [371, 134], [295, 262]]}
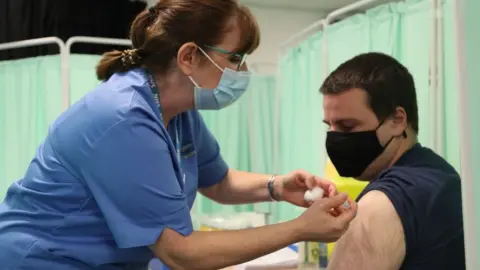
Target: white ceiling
{"points": [[310, 5]]}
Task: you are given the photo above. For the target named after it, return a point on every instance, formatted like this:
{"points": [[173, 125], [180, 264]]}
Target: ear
{"points": [[187, 58], [400, 121]]}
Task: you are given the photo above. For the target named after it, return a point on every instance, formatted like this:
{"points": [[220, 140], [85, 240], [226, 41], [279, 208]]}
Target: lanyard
{"points": [[154, 89]]}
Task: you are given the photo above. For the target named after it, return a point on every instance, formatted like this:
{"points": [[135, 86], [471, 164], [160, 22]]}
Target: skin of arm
{"points": [[374, 240], [242, 187], [220, 249]]}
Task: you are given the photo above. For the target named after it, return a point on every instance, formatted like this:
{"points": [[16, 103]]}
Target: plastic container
{"points": [[312, 255]]}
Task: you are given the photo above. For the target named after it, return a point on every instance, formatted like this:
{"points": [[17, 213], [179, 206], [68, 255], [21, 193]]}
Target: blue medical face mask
{"points": [[230, 88]]}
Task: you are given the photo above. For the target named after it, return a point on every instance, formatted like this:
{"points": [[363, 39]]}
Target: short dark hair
{"points": [[387, 82]]}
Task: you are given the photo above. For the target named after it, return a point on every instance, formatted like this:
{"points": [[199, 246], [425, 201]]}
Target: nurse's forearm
{"points": [[241, 187], [220, 249]]}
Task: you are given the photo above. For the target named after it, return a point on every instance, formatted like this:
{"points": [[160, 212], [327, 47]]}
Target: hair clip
{"points": [[128, 57], [152, 10]]}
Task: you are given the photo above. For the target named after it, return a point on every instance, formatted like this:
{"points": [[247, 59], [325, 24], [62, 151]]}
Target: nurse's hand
{"points": [[318, 224], [291, 187]]}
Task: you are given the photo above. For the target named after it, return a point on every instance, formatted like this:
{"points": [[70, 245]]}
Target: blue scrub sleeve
{"points": [[132, 178], [212, 169]]}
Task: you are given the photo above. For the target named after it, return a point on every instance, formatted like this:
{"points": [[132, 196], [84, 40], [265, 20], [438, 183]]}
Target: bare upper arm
{"points": [[375, 238], [169, 248], [212, 192]]}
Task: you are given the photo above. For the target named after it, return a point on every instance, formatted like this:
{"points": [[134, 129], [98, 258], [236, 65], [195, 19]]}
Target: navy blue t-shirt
{"points": [[425, 191]]}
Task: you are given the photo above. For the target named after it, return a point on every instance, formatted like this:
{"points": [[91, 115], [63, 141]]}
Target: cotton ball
{"points": [[313, 195]]}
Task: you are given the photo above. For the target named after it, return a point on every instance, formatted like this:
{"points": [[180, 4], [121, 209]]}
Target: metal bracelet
{"points": [[271, 191]]}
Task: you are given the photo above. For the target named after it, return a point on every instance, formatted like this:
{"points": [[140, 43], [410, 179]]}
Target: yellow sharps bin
{"points": [[348, 185]]}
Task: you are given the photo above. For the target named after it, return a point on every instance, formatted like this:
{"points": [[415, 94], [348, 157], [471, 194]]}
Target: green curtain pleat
{"points": [[261, 98], [230, 127], [82, 75], [415, 55], [244, 132], [301, 131], [347, 38], [384, 24], [472, 95], [451, 134], [261, 108], [30, 100]]}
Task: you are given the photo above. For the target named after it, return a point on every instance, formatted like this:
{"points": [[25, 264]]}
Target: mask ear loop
{"points": [[404, 133], [389, 141], [380, 124], [209, 58]]}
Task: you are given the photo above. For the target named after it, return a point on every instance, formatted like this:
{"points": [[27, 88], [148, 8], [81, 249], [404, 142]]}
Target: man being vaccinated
{"points": [[410, 214]]}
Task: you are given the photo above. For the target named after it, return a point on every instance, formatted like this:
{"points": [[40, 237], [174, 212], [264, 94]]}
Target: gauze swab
{"points": [[317, 193], [312, 195]]}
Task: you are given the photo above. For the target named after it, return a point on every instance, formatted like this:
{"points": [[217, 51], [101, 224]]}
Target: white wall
{"points": [[276, 26], [151, 2]]}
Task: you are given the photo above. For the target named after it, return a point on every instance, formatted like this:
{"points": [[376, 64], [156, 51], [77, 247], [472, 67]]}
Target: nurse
{"points": [[112, 184]]}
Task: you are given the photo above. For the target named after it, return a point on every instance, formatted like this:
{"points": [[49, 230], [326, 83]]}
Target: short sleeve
{"points": [[212, 169], [132, 178], [405, 202]]}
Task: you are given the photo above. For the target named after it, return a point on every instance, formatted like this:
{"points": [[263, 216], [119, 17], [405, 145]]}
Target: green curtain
{"points": [[451, 144], [244, 132], [261, 108], [396, 29], [415, 54], [470, 47], [384, 25], [401, 30], [82, 75], [347, 38], [230, 127], [300, 127], [30, 100], [261, 126]]}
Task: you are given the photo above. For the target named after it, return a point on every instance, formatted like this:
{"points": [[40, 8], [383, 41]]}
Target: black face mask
{"points": [[352, 152]]}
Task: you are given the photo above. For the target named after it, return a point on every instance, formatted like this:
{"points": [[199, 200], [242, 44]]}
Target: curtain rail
{"points": [[88, 40], [298, 35], [46, 41]]}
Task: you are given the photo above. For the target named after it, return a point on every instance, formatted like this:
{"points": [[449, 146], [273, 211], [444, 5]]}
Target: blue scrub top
{"points": [[106, 181]]}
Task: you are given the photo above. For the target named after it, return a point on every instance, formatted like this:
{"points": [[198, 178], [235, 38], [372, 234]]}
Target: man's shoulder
{"points": [[427, 198], [420, 174], [421, 166], [418, 189]]}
